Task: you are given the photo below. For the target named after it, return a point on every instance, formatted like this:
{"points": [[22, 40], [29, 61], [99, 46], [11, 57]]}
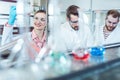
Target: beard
{"points": [[110, 28], [76, 28]]}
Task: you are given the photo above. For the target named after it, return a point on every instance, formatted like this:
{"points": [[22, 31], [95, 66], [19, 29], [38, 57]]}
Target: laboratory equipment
{"points": [[58, 62], [81, 54], [97, 51]]}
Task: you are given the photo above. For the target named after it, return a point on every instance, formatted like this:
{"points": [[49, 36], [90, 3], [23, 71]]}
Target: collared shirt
{"points": [[38, 44], [106, 33]]}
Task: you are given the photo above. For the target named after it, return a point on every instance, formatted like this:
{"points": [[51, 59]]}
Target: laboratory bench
{"points": [[105, 67]]}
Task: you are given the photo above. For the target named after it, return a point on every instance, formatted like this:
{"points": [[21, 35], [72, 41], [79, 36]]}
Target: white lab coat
{"points": [[114, 36], [7, 35], [66, 38]]}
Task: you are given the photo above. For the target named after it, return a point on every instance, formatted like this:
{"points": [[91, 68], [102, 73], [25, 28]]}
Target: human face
{"points": [[111, 23], [74, 22], [40, 21]]}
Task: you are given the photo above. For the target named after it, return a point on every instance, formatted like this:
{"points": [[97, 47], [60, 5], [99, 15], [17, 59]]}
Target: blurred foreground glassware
{"points": [[20, 53], [13, 54], [97, 59], [56, 64], [97, 51], [81, 54], [28, 72]]}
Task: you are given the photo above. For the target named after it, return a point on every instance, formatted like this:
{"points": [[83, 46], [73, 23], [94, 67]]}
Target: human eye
{"points": [[36, 18], [43, 19], [114, 23], [109, 21]]}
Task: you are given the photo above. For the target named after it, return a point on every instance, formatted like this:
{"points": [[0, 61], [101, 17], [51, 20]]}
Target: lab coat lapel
{"points": [[114, 36]]}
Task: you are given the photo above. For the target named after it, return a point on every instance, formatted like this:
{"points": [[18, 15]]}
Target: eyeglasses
{"points": [[40, 19], [73, 22]]}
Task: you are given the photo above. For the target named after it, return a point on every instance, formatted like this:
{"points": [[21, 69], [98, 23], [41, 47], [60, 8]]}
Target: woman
{"points": [[38, 35]]}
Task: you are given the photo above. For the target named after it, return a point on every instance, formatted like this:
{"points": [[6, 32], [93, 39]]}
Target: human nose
{"points": [[39, 21], [111, 24]]}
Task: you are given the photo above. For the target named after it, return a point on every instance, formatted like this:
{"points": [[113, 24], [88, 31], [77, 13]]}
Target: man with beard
{"points": [[109, 33], [74, 33]]}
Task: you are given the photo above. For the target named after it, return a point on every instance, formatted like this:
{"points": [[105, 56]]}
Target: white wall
{"points": [[84, 4], [95, 5], [105, 4], [5, 7], [3, 19]]}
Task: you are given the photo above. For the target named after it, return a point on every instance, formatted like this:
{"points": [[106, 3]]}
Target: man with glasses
{"points": [[74, 33], [109, 33]]}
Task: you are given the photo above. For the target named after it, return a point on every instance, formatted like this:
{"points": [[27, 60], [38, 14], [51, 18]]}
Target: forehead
{"points": [[73, 17], [112, 19], [43, 15]]}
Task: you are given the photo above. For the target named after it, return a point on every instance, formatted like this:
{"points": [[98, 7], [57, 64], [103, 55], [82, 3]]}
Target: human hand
{"points": [[12, 15]]}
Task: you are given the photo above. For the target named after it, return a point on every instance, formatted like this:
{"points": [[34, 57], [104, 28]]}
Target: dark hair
{"points": [[72, 10], [114, 13], [40, 11]]}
